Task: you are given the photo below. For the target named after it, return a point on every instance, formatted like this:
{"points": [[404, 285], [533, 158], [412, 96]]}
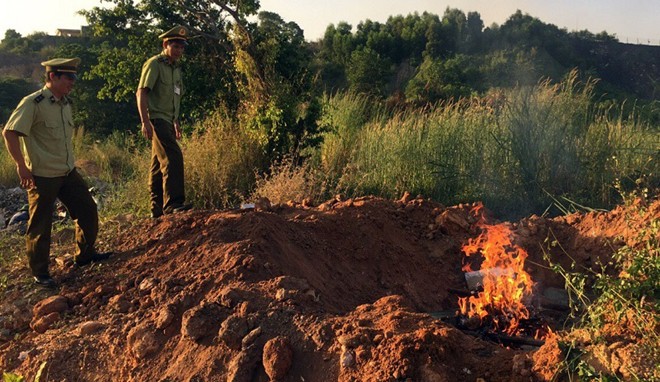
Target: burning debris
{"points": [[501, 290]]}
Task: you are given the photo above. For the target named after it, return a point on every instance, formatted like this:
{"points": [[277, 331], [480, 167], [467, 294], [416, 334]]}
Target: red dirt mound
{"points": [[344, 291]]}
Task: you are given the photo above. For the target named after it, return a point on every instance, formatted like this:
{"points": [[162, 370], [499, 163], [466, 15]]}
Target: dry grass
{"points": [[287, 182]]}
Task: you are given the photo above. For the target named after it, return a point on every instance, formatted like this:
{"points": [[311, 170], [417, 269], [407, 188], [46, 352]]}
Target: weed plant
{"points": [[617, 305], [8, 175], [517, 150], [220, 163], [287, 182]]}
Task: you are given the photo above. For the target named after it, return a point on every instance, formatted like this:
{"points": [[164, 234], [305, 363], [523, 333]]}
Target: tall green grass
{"points": [[221, 160], [8, 175], [519, 150], [534, 146]]}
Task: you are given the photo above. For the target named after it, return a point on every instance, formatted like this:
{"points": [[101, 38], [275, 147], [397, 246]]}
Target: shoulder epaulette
{"points": [[39, 98]]}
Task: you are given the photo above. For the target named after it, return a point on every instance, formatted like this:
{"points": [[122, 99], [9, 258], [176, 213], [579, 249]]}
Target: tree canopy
{"points": [[258, 67]]}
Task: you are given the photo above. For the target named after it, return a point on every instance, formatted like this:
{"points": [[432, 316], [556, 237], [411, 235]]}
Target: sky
{"points": [[633, 21]]}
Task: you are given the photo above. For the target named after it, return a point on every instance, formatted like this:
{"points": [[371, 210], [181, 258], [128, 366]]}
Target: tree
{"points": [[368, 72], [438, 79], [473, 33], [12, 90]]}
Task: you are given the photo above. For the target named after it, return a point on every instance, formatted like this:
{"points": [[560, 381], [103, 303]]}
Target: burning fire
{"points": [[506, 285]]}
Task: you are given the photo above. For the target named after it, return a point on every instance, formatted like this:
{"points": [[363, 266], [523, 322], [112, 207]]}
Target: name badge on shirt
{"points": [[177, 90]]}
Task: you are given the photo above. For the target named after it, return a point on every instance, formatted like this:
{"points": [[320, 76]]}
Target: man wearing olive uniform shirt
{"points": [[38, 137], [158, 97]]}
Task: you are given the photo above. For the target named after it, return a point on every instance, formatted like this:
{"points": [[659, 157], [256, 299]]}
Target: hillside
{"points": [[349, 290]]}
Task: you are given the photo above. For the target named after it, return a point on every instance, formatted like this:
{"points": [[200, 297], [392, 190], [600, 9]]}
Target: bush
{"points": [[617, 305], [288, 182], [220, 162]]}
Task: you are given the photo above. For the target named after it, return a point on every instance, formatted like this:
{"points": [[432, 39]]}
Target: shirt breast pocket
{"points": [[53, 131], [166, 79]]}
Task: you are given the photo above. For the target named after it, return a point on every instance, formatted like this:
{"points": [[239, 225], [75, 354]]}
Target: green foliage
{"points": [[624, 293], [93, 108], [8, 175], [15, 43], [368, 72], [517, 150], [286, 99], [575, 366], [12, 90], [220, 162], [11, 377], [37, 377], [439, 80], [520, 52], [9, 254]]}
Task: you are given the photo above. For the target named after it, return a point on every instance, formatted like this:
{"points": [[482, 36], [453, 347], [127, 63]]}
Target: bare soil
{"points": [[346, 291]]}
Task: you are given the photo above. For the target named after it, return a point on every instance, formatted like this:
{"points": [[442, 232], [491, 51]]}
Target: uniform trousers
{"points": [[73, 193], [166, 181]]}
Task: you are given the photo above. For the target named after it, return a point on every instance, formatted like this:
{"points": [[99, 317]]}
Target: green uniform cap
{"points": [[176, 33], [64, 65]]}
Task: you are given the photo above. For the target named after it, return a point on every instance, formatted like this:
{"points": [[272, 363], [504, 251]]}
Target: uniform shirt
{"points": [[165, 87], [45, 128]]}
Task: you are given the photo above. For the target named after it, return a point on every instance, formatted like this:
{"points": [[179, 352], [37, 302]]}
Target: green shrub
{"points": [[220, 162], [518, 150]]}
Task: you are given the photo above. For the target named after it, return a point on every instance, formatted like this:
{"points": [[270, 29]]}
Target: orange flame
{"points": [[506, 284]]}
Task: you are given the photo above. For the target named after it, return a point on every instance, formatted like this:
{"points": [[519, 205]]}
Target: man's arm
{"points": [[143, 108], [14, 148], [177, 129]]}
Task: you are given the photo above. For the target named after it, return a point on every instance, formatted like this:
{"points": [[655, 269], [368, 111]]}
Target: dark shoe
{"points": [[95, 257], [156, 215], [182, 208], [45, 281], [178, 208]]}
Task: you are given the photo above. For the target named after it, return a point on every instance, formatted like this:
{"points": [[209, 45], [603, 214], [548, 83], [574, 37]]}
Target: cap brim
{"points": [[181, 40]]}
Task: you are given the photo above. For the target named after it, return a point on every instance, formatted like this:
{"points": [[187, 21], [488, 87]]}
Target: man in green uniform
{"points": [[158, 99], [38, 137]]}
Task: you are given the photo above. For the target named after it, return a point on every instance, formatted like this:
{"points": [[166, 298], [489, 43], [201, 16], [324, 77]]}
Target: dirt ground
{"points": [[350, 290]]}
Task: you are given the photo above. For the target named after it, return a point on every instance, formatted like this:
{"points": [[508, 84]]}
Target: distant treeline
{"points": [[265, 72]]}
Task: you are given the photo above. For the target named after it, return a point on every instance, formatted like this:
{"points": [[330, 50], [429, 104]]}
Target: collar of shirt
{"points": [[47, 93], [162, 57]]}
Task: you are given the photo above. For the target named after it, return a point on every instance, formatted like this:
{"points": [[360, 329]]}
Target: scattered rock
{"points": [[406, 197], [453, 221], [201, 321], [232, 331], [262, 204], [165, 317], [43, 323], [277, 358], [347, 358], [90, 327], [142, 341], [49, 305], [146, 285], [119, 304], [251, 337], [243, 366], [22, 356]]}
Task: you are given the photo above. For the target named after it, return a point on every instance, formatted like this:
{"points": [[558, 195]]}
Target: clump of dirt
{"points": [[347, 291]]}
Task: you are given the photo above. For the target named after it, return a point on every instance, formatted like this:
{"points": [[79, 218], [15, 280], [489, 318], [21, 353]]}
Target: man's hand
{"points": [[27, 180], [14, 148], [177, 130], [147, 129]]}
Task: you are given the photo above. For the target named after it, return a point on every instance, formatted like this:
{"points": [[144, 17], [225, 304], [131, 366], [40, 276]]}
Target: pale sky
{"points": [[630, 20]]}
